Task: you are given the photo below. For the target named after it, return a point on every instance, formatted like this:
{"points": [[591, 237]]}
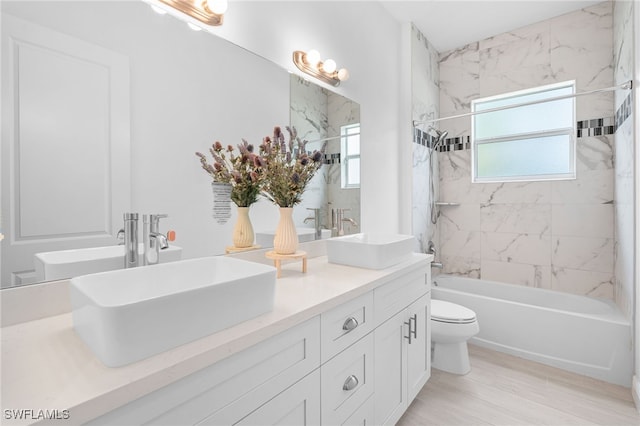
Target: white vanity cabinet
{"points": [[358, 363], [229, 390], [402, 347]]}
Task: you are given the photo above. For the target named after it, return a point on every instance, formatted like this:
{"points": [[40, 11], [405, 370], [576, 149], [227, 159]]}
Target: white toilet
{"points": [[451, 326]]}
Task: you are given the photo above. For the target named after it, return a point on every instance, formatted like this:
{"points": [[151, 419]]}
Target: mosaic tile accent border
{"points": [[596, 127], [584, 128], [332, 158], [624, 110]]}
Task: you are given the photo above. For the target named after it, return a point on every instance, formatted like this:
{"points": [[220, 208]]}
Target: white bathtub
{"points": [[576, 333]]}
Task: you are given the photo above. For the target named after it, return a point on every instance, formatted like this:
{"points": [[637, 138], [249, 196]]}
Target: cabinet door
{"points": [[419, 350], [297, 406], [390, 370]]}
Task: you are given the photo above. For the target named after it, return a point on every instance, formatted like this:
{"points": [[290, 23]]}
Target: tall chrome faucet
{"points": [[153, 240], [317, 222], [130, 236], [338, 219]]}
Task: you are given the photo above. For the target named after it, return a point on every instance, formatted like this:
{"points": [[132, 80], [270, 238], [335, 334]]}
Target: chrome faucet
{"points": [[153, 240], [431, 249], [317, 223], [338, 220], [129, 234]]}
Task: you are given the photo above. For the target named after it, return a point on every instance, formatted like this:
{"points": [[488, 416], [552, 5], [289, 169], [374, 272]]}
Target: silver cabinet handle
{"points": [[415, 325], [409, 324], [350, 383], [350, 324], [413, 330]]}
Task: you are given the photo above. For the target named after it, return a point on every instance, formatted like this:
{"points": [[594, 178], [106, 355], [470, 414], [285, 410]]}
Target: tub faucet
{"points": [[317, 223], [129, 235], [154, 241], [431, 249]]}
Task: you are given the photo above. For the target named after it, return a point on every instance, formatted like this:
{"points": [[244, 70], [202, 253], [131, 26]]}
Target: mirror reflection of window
{"points": [[350, 152]]}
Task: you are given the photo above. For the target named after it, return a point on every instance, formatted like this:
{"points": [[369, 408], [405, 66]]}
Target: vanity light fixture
{"points": [[311, 64], [210, 12]]}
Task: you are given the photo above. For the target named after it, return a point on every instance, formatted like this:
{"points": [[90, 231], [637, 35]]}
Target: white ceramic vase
{"points": [[286, 239], [243, 231]]}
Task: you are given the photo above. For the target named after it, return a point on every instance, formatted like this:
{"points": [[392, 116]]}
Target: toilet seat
{"points": [[447, 312]]}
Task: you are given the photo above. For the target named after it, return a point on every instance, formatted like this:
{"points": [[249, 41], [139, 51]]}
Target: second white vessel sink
{"points": [[131, 314], [371, 251], [62, 264]]}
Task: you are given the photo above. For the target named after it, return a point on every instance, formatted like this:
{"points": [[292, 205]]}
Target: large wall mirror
{"points": [[103, 107]]}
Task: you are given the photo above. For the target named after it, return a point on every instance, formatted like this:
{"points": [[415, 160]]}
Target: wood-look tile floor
{"points": [[506, 390]]}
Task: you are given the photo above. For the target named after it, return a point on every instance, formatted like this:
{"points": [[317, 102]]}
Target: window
{"points": [[350, 153], [532, 142]]}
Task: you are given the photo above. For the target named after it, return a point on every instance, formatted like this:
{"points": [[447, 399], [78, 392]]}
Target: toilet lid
{"points": [[450, 312]]}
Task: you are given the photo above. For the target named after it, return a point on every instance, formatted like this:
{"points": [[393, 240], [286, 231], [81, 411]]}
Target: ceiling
{"points": [[449, 24]]}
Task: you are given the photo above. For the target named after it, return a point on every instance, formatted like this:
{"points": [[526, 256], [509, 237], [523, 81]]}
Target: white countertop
{"points": [[45, 365]]}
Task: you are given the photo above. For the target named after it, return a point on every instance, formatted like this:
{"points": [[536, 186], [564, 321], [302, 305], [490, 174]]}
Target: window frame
{"points": [[344, 159], [570, 131]]}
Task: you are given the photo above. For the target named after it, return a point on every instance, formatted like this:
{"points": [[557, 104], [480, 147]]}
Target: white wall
{"points": [[636, 287]]}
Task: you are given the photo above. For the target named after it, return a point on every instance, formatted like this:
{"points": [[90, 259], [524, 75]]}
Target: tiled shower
{"points": [[572, 236]]}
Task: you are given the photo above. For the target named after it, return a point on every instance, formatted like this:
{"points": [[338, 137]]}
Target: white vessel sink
{"points": [[62, 264], [131, 314], [371, 251]]}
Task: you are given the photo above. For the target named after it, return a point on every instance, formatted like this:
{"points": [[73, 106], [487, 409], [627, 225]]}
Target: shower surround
{"points": [[554, 234]]}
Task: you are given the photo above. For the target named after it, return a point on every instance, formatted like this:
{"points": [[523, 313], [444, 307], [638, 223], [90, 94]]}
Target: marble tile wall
{"points": [[624, 154], [317, 113], [341, 112], [425, 105], [309, 105], [554, 234]]}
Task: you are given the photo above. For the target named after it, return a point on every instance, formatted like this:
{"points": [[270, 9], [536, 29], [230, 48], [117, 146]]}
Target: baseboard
{"points": [[635, 390]]}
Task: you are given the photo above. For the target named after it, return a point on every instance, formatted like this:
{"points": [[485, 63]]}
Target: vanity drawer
{"points": [[393, 297], [347, 381], [230, 388], [363, 415], [345, 324]]}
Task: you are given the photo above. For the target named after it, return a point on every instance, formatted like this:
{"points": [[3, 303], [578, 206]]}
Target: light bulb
{"points": [[219, 7], [343, 74], [329, 65], [194, 27], [313, 57]]}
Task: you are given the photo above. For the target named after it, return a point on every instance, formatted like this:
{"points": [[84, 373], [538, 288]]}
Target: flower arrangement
{"points": [[243, 171], [286, 167]]}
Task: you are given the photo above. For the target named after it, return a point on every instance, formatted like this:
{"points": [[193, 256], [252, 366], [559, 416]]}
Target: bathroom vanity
{"points": [[343, 345]]}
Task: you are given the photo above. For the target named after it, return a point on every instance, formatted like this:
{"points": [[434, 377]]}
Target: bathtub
{"points": [[581, 334]]}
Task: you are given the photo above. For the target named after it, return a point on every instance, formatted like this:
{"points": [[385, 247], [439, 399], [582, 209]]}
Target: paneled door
{"points": [[65, 145]]}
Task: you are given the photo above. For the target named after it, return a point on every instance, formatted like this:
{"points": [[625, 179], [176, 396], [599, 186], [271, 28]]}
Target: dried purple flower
{"points": [[217, 146], [317, 156], [295, 178]]}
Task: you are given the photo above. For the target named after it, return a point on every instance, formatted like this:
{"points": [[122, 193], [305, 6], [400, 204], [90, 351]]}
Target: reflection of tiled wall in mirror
{"points": [[317, 113]]}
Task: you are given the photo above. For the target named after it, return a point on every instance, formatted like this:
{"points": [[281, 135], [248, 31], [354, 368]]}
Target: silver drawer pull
{"points": [[350, 383], [350, 324]]}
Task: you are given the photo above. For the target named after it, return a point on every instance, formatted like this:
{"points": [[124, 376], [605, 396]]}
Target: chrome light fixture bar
{"points": [[311, 64], [209, 12]]}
